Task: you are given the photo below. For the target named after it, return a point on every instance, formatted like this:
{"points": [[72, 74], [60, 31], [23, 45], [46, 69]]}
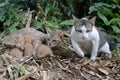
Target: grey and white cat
{"points": [[87, 39]]}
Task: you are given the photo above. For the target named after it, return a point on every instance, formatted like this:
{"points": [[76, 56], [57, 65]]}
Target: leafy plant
{"points": [[51, 14], [111, 20], [11, 17]]}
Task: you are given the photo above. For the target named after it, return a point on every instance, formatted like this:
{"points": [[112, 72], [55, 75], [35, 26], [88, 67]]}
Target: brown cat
{"points": [[43, 51], [21, 39], [29, 40], [28, 49], [16, 53]]}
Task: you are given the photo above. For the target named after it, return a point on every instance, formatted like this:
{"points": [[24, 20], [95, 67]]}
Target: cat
{"points": [[16, 53], [28, 45], [87, 39], [44, 51]]}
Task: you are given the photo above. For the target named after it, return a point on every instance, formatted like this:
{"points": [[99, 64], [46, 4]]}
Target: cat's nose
{"points": [[84, 37]]}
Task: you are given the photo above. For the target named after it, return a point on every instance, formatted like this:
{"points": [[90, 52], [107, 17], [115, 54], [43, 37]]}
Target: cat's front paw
{"points": [[109, 55], [93, 58], [81, 54]]}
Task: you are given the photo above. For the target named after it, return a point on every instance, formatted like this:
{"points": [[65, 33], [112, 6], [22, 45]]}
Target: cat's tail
{"points": [[112, 45]]}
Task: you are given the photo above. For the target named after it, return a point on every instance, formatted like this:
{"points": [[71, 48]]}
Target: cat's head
{"points": [[83, 26], [54, 37]]}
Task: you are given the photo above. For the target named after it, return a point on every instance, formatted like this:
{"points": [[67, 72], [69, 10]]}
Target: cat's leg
{"points": [[106, 48], [94, 49], [77, 48]]}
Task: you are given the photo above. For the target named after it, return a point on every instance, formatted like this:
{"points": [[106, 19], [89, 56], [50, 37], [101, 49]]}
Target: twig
{"points": [[10, 72], [65, 69], [26, 59], [5, 59], [29, 20]]}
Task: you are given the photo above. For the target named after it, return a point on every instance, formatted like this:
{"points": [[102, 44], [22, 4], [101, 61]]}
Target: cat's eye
{"points": [[88, 31], [79, 31]]}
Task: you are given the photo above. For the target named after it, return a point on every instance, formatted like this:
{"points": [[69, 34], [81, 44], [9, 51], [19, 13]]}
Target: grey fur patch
{"points": [[80, 22], [105, 38]]}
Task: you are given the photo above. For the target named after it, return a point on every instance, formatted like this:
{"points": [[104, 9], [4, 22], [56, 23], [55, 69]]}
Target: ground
{"points": [[65, 65]]}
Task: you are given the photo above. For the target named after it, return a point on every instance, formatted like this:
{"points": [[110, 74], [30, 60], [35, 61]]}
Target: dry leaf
{"points": [[91, 72], [103, 71]]}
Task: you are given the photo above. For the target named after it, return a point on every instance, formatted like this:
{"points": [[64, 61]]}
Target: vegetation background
{"points": [[58, 14]]}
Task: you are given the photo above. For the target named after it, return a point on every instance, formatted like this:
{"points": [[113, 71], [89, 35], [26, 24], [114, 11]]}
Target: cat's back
{"points": [[25, 31], [105, 38]]}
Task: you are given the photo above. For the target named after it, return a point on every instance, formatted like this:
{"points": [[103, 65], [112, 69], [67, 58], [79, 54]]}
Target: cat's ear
{"points": [[92, 20], [48, 30], [74, 18]]}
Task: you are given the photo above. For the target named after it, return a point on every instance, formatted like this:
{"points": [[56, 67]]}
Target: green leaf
{"points": [[21, 71], [106, 11], [67, 22], [2, 4], [100, 4], [51, 24], [47, 9], [39, 25], [118, 6], [118, 45], [7, 23], [105, 20], [115, 20], [115, 38], [12, 29], [116, 1], [15, 24], [55, 10], [92, 9], [2, 18], [116, 29]]}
